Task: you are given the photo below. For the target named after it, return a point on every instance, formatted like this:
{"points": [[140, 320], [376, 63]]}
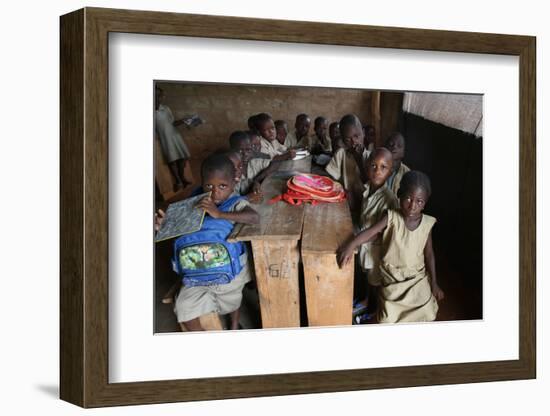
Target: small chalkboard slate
{"points": [[181, 217]]}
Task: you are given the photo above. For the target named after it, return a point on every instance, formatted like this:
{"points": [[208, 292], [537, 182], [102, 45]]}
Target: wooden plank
{"points": [[279, 220], [72, 340], [276, 265], [329, 290], [326, 227]]}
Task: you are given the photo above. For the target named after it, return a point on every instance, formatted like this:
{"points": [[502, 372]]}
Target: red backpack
{"points": [[306, 188]]}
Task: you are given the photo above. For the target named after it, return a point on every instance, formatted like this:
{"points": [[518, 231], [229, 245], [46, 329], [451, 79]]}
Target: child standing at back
{"points": [[377, 199], [193, 301], [348, 164], [396, 145], [408, 290]]}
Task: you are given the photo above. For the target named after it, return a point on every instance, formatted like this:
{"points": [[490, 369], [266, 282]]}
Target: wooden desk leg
{"points": [[276, 265], [329, 290]]}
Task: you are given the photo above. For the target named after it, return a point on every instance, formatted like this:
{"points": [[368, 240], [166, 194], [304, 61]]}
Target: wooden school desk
{"points": [[276, 254]]}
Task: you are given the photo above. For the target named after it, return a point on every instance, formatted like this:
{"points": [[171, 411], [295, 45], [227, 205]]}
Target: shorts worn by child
{"points": [[195, 301], [405, 291]]}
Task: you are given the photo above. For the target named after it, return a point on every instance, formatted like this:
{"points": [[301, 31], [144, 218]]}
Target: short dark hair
{"points": [[301, 116], [395, 135], [349, 120], [414, 179], [260, 119], [252, 122], [319, 120], [217, 162], [237, 137], [281, 123]]}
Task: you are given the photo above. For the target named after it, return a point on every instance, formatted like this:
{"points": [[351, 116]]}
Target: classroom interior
{"points": [[451, 157]]}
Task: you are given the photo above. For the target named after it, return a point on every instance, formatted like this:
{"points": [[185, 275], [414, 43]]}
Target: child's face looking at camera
{"points": [[220, 183], [267, 130], [412, 203], [379, 168]]}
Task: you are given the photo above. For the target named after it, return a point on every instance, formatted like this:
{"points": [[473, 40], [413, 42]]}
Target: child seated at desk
{"points": [[336, 141], [408, 290], [222, 207], [253, 170], [396, 145], [255, 141], [282, 133], [269, 143], [319, 142], [301, 130]]}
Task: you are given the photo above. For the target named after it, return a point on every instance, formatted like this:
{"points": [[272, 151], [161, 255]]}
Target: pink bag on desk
{"points": [[311, 188]]}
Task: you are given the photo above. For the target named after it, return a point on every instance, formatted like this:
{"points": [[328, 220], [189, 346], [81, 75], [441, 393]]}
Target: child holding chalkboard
{"points": [[213, 272]]}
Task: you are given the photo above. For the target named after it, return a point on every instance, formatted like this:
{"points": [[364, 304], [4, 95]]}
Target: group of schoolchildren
{"points": [[386, 198]]}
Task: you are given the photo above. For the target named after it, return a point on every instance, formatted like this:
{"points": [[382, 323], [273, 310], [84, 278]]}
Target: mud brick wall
{"points": [[226, 108]]}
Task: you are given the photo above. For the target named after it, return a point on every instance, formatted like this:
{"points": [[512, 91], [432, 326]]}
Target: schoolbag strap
{"points": [[229, 202]]}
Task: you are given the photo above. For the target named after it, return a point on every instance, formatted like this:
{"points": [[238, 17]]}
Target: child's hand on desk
{"points": [[208, 205], [255, 195], [291, 153], [159, 219], [344, 255], [437, 292]]}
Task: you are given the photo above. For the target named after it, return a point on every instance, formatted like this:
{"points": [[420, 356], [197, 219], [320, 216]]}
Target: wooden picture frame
{"points": [[84, 207]]}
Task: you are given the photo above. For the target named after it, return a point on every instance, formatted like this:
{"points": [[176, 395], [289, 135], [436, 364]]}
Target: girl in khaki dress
{"points": [[408, 289]]}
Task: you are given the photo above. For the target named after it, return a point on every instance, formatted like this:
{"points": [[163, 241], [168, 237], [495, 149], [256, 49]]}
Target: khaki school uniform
{"points": [[395, 178], [313, 141], [291, 140], [272, 148], [343, 168], [405, 291], [373, 208], [253, 169]]}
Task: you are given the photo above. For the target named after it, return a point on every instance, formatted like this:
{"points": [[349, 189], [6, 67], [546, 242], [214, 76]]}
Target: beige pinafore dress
{"points": [[405, 292]]}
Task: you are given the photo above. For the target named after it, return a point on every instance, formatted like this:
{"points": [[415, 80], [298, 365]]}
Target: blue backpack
{"points": [[205, 258]]}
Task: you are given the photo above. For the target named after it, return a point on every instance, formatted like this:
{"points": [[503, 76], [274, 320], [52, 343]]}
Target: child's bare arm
{"points": [[291, 154], [345, 253], [267, 171], [246, 216], [429, 259]]}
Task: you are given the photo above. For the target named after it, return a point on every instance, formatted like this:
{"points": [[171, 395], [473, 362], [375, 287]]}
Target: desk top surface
{"points": [[325, 226]]}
